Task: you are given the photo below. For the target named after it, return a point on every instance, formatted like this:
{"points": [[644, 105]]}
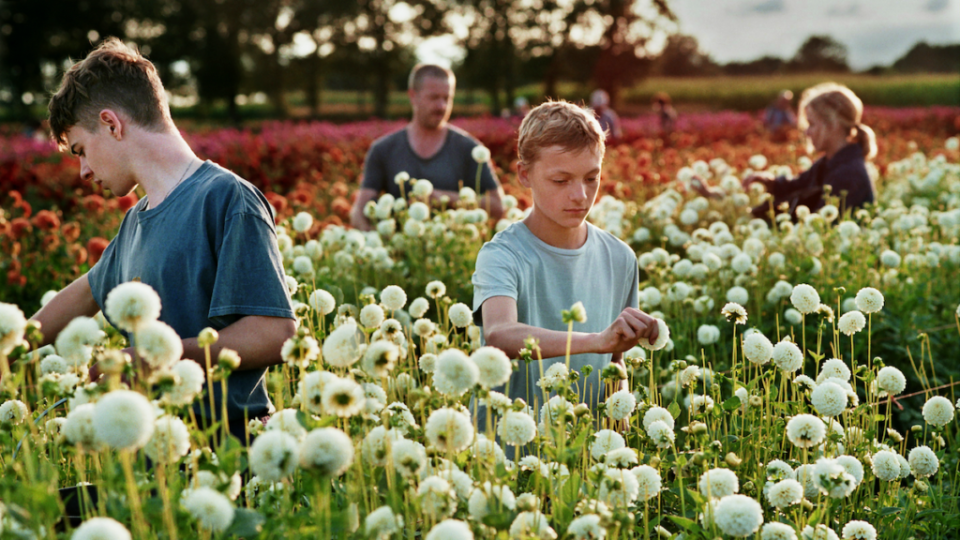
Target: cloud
{"points": [[845, 10], [936, 6], [763, 7]]}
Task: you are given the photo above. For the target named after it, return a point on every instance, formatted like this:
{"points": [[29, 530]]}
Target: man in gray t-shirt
{"points": [[427, 148]]}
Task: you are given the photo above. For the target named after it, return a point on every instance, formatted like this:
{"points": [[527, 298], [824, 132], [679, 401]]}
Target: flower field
{"points": [[802, 386]]}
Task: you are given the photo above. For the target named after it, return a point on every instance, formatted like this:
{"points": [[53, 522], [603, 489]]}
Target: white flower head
{"points": [[286, 420], [851, 322], [302, 222], [718, 483], [419, 307], [75, 342], [436, 289], [649, 482], [437, 497], [891, 380], [777, 531], [123, 420], [859, 530], [806, 431], [460, 315], [212, 509], [662, 338], [274, 455], [621, 405], [493, 366], [785, 493], [532, 525], [938, 411], [450, 529], [449, 429], [661, 434], [382, 523], [805, 298], [158, 344], [829, 399], [132, 304], [408, 457], [371, 316], [738, 515], [517, 428], [342, 347], [380, 358], [328, 451], [787, 356], [886, 466], [487, 498], [587, 527], [619, 487], [869, 300], [13, 411], [655, 414], [79, 428], [455, 372], [393, 297], [101, 528], [757, 348], [322, 301], [605, 441], [480, 154], [170, 440], [342, 397]]}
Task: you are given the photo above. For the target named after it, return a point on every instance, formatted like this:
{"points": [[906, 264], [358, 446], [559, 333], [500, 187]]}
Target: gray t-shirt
{"points": [[451, 165], [210, 251], [545, 280]]}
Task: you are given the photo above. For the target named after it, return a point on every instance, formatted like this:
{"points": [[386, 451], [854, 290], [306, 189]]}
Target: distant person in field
{"points": [[666, 114], [521, 107], [608, 118], [429, 147], [536, 268], [202, 237], [779, 117], [830, 115]]}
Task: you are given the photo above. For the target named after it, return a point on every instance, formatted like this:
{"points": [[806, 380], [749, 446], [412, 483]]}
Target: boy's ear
{"points": [[523, 174], [111, 120]]}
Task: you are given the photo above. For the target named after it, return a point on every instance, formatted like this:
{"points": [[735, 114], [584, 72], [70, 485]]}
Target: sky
{"points": [[874, 31]]}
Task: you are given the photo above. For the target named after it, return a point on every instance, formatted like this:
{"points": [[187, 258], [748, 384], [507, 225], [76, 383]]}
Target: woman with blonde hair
{"points": [[830, 115]]}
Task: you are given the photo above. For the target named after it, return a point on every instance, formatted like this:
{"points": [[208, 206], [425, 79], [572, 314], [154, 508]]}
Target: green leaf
{"points": [[687, 524], [246, 523], [887, 510], [732, 404], [674, 410]]}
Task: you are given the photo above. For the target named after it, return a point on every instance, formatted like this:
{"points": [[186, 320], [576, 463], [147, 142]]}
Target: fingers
{"points": [[645, 325]]}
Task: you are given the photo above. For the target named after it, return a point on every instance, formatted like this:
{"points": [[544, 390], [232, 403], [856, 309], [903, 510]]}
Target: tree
{"points": [[820, 53], [924, 58], [681, 57]]}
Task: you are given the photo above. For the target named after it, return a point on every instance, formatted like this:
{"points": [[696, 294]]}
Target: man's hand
{"points": [[762, 177], [626, 332], [701, 186]]}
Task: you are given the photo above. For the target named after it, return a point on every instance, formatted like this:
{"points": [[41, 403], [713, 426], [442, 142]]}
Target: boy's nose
{"points": [[85, 172], [578, 192]]}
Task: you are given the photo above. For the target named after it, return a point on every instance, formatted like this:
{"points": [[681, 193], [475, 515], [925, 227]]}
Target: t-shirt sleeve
{"points": [[374, 169], [250, 276], [496, 274], [104, 274], [633, 295]]}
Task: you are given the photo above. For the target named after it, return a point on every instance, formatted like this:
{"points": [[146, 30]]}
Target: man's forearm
{"points": [[75, 300], [510, 337], [257, 340]]}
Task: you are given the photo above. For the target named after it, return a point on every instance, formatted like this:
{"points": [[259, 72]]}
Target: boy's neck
{"points": [[552, 234], [167, 160]]}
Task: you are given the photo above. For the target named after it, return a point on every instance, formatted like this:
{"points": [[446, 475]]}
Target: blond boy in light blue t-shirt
{"points": [[531, 271]]}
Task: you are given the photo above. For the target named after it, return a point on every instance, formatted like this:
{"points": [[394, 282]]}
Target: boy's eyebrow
{"points": [[565, 172]]}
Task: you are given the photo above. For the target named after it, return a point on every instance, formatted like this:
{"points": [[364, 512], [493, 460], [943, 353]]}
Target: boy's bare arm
{"points": [[257, 339], [75, 300], [357, 219], [502, 330]]}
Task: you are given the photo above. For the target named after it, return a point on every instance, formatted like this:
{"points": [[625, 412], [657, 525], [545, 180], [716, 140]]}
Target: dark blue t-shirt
{"points": [[210, 251]]}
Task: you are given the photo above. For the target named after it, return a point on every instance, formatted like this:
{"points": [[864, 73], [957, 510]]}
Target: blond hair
{"points": [[112, 76], [837, 105], [558, 123]]}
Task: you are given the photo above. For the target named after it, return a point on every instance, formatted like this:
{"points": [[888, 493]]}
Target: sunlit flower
{"points": [[738, 515], [938, 411], [327, 451], [123, 420], [869, 300], [132, 304]]}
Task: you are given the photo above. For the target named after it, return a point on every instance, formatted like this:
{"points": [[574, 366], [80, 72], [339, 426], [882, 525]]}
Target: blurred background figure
{"points": [[779, 115], [609, 121], [666, 114], [521, 107]]}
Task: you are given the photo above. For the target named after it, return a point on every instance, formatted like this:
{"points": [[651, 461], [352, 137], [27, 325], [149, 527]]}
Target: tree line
{"points": [[220, 49]]}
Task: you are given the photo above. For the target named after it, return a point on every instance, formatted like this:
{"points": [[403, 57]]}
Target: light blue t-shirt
{"points": [[210, 251], [545, 280]]}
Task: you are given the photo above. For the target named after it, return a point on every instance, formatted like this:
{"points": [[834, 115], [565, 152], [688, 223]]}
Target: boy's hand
{"points": [[763, 177], [626, 331]]}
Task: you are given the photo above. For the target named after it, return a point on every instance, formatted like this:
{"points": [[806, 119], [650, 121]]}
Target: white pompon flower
{"points": [[738, 515], [938, 411], [437, 497], [455, 372], [450, 529], [422, 188], [662, 338], [661, 434], [757, 348], [75, 342], [886, 466], [419, 307], [777, 531], [302, 222], [586, 527], [101, 528], [371, 316], [382, 523], [517, 428], [833, 368], [820, 532], [274, 455], [805, 298], [655, 414], [460, 315], [787, 356], [488, 499], [436, 289], [393, 297], [170, 440], [342, 348], [342, 397], [327, 451], [13, 411], [493, 366], [621, 405], [859, 530], [605, 441], [322, 301], [480, 154], [286, 420], [851, 322], [806, 430], [158, 344], [79, 428], [891, 380], [212, 509], [619, 487], [718, 483], [130, 305], [648, 481], [449, 429], [829, 399], [123, 420], [869, 300], [408, 457], [784, 493]]}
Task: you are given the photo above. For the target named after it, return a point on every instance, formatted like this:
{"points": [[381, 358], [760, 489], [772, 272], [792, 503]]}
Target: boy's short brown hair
{"points": [[113, 76], [558, 123], [422, 71]]}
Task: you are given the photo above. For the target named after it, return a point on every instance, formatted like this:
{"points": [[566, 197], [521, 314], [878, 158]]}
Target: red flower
{"points": [[46, 220], [93, 203], [126, 203], [20, 227], [95, 248], [279, 202]]}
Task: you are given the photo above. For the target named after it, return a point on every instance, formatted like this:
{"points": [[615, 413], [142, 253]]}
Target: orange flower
{"points": [[46, 220], [71, 231], [126, 203], [93, 203], [95, 248], [20, 227]]}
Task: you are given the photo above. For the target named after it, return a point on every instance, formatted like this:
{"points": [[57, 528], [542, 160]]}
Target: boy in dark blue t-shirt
{"points": [[202, 237]]}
